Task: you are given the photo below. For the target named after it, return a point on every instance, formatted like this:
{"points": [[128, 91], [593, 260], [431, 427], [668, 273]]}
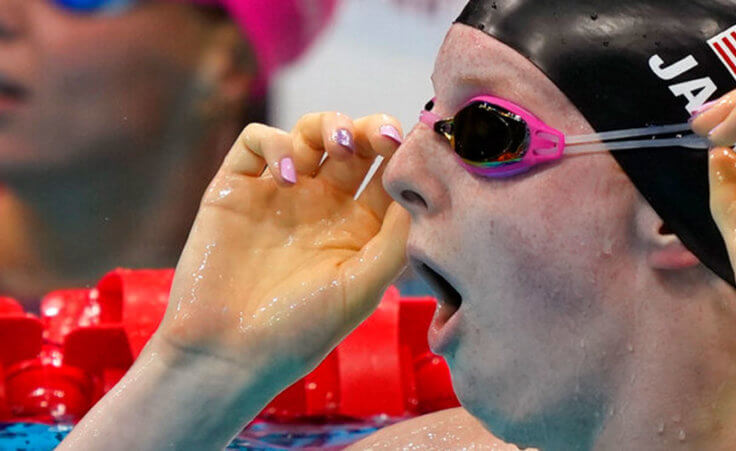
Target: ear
{"points": [[664, 250], [228, 68]]}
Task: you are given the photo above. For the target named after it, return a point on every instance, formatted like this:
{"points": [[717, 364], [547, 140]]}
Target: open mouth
{"points": [[449, 298], [11, 92]]}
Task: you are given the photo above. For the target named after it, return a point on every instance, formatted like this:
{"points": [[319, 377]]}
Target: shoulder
{"points": [[444, 430]]}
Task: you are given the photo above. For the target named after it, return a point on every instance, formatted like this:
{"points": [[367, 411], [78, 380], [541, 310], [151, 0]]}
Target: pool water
{"points": [[257, 436]]}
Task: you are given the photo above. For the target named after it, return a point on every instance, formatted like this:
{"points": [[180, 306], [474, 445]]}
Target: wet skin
{"points": [[560, 340], [718, 122], [447, 429], [537, 278], [273, 275], [581, 325]]}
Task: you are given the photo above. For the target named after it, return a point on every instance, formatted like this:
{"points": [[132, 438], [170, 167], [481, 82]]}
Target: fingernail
{"points": [[344, 138], [288, 172], [702, 108], [389, 131]]}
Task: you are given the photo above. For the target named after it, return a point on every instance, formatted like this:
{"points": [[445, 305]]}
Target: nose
{"points": [[11, 19], [414, 176]]}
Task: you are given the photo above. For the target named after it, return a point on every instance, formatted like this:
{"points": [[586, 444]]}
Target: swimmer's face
{"points": [[539, 261], [91, 85]]}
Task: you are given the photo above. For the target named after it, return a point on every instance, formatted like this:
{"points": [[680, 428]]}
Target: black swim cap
{"points": [[634, 63]]}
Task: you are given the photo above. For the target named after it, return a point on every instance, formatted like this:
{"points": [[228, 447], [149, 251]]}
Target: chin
{"points": [[522, 434], [505, 408]]}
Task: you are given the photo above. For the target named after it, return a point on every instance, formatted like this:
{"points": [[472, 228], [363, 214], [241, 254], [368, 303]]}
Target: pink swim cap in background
{"points": [[279, 31]]}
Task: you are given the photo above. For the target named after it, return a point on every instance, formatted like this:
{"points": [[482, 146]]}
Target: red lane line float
{"points": [[56, 366]]}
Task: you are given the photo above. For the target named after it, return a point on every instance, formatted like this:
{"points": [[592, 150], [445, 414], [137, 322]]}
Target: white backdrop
{"points": [[377, 57]]}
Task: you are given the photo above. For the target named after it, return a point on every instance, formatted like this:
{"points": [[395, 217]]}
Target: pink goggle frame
{"points": [[545, 144]]}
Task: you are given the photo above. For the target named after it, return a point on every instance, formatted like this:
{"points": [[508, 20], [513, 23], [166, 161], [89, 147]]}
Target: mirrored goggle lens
{"points": [[92, 6], [488, 135]]}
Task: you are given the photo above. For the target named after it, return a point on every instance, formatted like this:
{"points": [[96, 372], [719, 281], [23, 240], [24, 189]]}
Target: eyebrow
{"points": [[470, 78], [465, 86]]}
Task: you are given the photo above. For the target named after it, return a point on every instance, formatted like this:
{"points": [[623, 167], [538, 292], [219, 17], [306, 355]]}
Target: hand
{"points": [[275, 273], [717, 121]]}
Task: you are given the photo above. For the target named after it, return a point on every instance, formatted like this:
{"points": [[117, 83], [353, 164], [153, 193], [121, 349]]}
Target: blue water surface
{"points": [[257, 436]]}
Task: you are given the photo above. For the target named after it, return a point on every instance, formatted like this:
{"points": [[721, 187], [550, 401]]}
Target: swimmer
{"points": [[585, 303], [456, 428], [114, 116]]}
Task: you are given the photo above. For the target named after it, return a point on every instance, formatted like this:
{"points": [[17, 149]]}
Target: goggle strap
{"points": [[690, 141], [628, 133]]}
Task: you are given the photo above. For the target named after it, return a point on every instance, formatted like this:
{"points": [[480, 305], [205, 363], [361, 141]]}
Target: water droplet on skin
{"points": [[630, 347], [681, 435], [582, 343], [594, 16], [607, 245], [660, 428], [225, 192]]}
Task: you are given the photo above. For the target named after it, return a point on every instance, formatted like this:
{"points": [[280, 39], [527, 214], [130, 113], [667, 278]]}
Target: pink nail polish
{"points": [[391, 132], [703, 108], [288, 173], [344, 138]]}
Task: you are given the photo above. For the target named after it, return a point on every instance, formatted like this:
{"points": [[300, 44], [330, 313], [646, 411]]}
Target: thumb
{"points": [[370, 271], [722, 180]]}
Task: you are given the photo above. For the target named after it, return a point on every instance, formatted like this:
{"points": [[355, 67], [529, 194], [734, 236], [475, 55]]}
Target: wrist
{"points": [[220, 377], [252, 357], [172, 397]]}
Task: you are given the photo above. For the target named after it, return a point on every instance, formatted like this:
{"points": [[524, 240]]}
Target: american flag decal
{"points": [[725, 47]]}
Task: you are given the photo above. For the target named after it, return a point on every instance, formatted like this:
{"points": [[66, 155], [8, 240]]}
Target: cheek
{"points": [[544, 254]]}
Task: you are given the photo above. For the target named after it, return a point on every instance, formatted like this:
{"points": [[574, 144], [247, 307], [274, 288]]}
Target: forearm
{"points": [[190, 402]]}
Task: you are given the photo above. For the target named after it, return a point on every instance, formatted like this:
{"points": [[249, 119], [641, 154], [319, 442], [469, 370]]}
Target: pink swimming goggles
{"points": [[497, 138]]}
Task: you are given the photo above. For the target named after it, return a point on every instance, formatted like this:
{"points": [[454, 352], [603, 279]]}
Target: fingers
{"points": [[722, 179], [724, 134], [380, 261], [270, 145], [351, 148], [377, 135], [717, 120], [241, 160], [318, 133]]}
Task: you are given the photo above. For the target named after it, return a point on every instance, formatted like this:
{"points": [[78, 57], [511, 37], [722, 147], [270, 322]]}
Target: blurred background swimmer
{"points": [[114, 114]]}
